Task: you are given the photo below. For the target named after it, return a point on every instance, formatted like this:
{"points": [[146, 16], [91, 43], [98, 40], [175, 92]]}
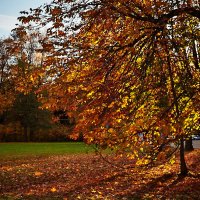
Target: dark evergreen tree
{"points": [[26, 111]]}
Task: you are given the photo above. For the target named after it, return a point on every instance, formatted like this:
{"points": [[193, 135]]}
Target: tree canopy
{"points": [[127, 70]]}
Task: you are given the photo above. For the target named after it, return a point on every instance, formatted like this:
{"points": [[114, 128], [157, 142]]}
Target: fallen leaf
{"points": [[53, 189], [38, 173]]}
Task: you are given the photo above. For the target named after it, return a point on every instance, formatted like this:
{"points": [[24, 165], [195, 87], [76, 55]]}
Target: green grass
{"points": [[38, 149]]}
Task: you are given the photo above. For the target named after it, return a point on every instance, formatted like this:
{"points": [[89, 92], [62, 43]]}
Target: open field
{"points": [[70, 176], [39, 149]]}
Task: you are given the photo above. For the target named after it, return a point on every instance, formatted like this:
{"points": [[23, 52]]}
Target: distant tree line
{"points": [[22, 117]]}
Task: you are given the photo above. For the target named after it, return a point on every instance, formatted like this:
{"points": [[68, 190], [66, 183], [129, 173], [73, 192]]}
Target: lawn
{"points": [[39, 149], [74, 174]]}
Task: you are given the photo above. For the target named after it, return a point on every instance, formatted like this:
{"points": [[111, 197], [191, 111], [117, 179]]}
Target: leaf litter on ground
{"points": [[87, 176]]}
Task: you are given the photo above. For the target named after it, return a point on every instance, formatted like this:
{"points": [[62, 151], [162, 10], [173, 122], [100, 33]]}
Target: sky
{"points": [[10, 11]]}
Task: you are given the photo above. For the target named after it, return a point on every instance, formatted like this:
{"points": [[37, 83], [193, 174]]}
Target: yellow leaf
{"points": [[139, 60], [90, 94], [31, 78], [172, 160], [100, 192], [118, 120]]}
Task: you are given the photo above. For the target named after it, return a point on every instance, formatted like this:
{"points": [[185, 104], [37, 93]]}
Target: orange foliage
{"points": [[127, 70]]}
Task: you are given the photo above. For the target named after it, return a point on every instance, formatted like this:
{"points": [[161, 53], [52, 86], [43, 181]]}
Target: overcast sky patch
{"points": [[7, 23]]}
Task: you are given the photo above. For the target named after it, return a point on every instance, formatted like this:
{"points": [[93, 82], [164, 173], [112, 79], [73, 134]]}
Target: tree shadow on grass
{"points": [[177, 189], [94, 184], [126, 194], [154, 188], [148, 187]]}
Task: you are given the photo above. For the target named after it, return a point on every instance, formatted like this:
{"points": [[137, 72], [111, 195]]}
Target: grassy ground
{"points": [[38, 149], [72, 176]]}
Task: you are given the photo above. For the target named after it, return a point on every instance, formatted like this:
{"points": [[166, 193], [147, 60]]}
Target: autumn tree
{"points": [[29, 75], [28, 57], [128, 70], [6, 81], [20, 65], [21, 60]]}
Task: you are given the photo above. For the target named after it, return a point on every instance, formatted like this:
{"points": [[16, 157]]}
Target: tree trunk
{"points": [[183, 166], [27, 134], [31, 135], [189, 145]]}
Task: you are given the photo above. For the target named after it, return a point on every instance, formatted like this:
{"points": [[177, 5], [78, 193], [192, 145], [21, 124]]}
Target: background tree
{"points": [[128, 68], [6, 81], [21, 75], [7, 93], [26, 111]]}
